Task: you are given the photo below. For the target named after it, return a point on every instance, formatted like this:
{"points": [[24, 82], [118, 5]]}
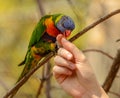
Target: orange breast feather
{"points": [[51, 29]]}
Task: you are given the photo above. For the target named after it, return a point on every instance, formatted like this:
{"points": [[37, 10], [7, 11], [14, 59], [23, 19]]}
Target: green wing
{"points": [[36, 35]]}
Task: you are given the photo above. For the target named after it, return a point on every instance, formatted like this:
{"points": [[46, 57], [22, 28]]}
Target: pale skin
{"points": [[74, 73]]}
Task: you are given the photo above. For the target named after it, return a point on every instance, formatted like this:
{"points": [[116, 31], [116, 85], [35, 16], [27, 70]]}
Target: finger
{"points": [[64, 63], [65, 54], [61, 73], [58, 70], [78, 55]]}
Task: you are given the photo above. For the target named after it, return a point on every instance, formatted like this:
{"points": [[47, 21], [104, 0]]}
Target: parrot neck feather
{"points": [[50, 28]]}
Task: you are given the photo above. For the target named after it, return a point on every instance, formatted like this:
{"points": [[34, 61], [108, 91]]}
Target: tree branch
{"points": [[48, 80], [70, 2], [112, 73], [26, 77], [100, 51], [41, 9]]}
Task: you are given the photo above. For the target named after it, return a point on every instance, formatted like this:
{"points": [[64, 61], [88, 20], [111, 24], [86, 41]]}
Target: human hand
{"points": [[73, 72]]}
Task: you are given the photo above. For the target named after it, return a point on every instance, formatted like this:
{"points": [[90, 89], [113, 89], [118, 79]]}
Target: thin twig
{"points": [[24, 79], [48, 80], [46, 75], [70, 2], [117, 40], [41, 9], [100, 51], [112, 73], [40, 88], [42, 80]]}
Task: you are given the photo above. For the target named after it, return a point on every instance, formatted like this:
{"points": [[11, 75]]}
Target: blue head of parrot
{"points": [[65, 25]]}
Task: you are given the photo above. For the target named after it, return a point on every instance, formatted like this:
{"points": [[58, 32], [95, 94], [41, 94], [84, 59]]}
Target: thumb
{"points": [[59, 37]]}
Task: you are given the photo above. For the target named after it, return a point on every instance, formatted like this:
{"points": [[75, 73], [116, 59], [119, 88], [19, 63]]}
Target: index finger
{"points": [[78, 55]]}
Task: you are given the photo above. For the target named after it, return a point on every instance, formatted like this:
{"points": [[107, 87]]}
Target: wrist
{"points": [[92, 94]]}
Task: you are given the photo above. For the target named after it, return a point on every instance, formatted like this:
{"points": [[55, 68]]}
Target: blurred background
{"points": [[17, 21]]}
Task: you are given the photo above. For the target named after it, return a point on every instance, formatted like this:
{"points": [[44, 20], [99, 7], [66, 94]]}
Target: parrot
{"points": [[43, 39]]}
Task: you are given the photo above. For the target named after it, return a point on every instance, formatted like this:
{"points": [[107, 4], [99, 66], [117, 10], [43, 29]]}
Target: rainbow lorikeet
{"points": [[43, 39]]}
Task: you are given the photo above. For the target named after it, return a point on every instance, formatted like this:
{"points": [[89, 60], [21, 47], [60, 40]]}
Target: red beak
{"points": [[67, 33]]}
